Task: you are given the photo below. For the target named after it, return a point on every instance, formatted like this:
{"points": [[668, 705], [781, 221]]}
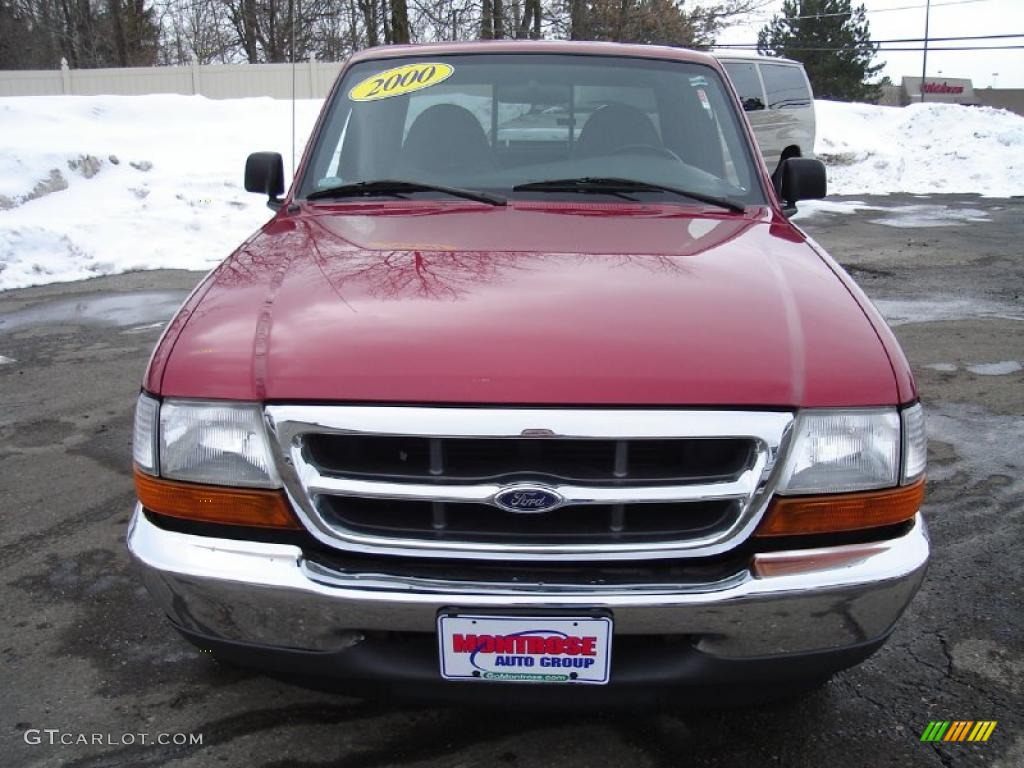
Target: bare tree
{"points": [[196, 30], [90, 33], [445, 20], [368, 8], [399, 21], [244, 20], [527, 25]]}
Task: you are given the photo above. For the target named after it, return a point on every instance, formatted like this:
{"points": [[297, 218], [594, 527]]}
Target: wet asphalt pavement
{"points": [[85, 652]]}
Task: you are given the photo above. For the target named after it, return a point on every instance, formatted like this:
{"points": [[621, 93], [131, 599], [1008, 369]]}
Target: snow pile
{"points": [[920, 149], [93, 185]]}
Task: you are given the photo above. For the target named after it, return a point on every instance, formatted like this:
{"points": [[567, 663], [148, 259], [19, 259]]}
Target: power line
{"points": [[889, 50], [909, 40], [928, 40], [957, 48], [876, 10], [947, 39]]}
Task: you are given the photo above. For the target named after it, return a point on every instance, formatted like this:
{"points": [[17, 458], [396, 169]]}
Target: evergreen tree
{"points": [[832, 40]]}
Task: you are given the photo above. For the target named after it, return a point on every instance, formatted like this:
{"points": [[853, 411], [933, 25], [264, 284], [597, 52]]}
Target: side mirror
{"points": [[800, 178], [264, 173]]}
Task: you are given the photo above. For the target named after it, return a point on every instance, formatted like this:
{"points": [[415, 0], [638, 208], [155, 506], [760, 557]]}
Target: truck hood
{"points": [[570, 304]]}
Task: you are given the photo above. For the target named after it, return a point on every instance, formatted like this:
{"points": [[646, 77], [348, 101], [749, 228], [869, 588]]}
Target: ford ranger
{"points": [[530, 388]]}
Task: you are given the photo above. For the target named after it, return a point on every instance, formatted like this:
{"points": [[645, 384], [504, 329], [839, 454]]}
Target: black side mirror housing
{"points": [[264, 174], [800, 178]]}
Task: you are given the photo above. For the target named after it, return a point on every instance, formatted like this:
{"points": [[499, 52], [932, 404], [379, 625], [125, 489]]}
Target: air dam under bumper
{"points": [[796, 602]]}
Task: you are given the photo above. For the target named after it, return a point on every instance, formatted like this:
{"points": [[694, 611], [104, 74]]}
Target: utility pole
{"points": [[924, 64], [291, 40]]}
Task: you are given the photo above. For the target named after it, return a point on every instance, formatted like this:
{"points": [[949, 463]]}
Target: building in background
{"points": [[951, 90], [946, 90]]}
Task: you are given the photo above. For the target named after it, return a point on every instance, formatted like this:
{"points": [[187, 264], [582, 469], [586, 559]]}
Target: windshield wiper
{"points": [[611, 185], [395, 187]]}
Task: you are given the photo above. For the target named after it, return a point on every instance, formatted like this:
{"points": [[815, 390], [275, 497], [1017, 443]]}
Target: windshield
{"points": [[495, 122]]}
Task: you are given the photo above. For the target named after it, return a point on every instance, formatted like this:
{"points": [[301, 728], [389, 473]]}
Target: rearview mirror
{"points": [[264, 173], [800, 178]]}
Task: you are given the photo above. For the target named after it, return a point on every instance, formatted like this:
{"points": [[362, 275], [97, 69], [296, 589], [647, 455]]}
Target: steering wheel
{"points": [[647, 149]]}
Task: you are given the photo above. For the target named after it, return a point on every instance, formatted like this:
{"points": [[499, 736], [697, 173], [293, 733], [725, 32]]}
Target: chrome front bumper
{"points": [[786, 602]]}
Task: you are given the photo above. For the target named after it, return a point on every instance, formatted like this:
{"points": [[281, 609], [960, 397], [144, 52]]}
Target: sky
{"points": [[965, 17]]}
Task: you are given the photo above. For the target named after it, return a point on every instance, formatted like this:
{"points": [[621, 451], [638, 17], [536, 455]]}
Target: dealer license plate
{"points": [[522, 649]]}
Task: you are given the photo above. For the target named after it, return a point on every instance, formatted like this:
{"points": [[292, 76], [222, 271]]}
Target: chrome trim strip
{"points": [[581, 423], [768, 430], [386, 582], [317, 484]]}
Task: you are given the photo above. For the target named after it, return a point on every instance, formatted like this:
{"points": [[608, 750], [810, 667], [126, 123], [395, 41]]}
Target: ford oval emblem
{"points": [[527, 499]]}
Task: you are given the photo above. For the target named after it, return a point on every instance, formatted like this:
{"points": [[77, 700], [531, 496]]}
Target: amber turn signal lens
{"points": [[215, 504], [791, 516]]}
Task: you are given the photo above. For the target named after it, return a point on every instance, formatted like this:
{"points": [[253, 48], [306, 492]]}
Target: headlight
{"points": [[840, 451], [207, 462], [848, 470], [212, 442]]}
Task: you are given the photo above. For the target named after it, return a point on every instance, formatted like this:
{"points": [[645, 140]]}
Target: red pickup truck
{"points": [[531, 389]]}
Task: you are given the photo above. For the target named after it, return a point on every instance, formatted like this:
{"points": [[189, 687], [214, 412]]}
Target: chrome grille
{"points": [[634, 484]]}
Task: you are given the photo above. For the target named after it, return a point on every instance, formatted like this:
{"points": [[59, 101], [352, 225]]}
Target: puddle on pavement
{"points": [[145, 328], [924, 216], [900, 216], [1002, 368], [116, 309], [903, 311], [985, 444], [809, 208]]}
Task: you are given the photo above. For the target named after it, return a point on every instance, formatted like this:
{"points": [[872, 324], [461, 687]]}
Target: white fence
{"points": [[313, 80]]}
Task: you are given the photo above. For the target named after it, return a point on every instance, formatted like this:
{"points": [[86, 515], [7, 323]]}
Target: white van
{"points": [[777, 97]]}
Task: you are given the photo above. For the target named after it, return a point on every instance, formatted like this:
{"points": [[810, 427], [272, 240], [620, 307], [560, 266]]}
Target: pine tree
{"points": [[832, 40]]}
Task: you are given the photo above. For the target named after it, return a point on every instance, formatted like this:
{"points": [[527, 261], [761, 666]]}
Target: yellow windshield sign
{"points": [[400, 80]]}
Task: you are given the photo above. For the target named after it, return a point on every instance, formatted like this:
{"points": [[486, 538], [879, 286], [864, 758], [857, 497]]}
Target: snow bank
{"points": [[93, 185], [920, 149]]}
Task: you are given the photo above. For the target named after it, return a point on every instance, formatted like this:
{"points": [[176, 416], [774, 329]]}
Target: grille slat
{"points": [[436, 457], [465, 460], [621, 469], [439, 519], [322, 485], [469, 522], [618, 518]]}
